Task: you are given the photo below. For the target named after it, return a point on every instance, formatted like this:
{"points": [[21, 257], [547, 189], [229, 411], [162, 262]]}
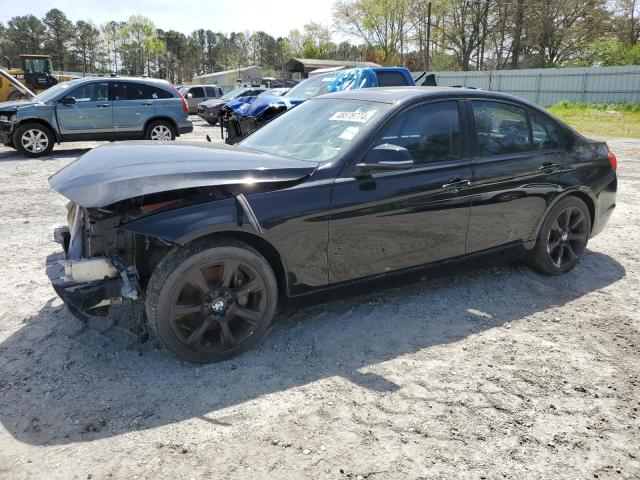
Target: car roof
{"points": [[79, 81], [407, 94]]}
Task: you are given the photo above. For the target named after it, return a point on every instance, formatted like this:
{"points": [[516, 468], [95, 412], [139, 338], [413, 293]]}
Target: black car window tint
{"points": [[118, 91], [501, 128], [546, 134], [431, 132], [391, 79], [196, 92], [139, 91]]}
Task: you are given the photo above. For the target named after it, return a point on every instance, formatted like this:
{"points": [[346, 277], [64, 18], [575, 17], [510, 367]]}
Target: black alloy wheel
{"points": [[210, 301], [563, 237], [567, 237]]}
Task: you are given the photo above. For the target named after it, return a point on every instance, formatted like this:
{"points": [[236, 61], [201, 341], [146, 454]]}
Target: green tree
{"points": [[24, 35], [87, 45], [137, 36], [59, 34]]}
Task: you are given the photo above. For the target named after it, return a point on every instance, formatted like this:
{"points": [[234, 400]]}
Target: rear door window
{"points": [[546, 134], [211, 91], [501, 128]]}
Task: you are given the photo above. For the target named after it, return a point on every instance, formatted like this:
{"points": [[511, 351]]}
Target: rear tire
{"points": [[211, 300], [160, 130], [33, 139], [563, 237]]}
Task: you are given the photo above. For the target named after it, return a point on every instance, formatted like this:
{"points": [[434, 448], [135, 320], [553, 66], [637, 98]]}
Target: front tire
{"points": [[211, 300], [563, 237], [160, 131], [33, 139]]}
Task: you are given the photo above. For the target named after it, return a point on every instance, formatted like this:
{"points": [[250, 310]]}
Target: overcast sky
{"points": [[275, 17]]}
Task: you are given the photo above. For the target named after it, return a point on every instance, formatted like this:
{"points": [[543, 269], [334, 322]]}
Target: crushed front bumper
{"points": [[83, 296], [5, 133], [85, 284], [238, 128]]}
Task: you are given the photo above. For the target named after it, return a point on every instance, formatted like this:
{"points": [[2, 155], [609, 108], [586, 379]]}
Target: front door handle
{"points": [[147, 103], [103, 105], [456, 184], [549, 166]]}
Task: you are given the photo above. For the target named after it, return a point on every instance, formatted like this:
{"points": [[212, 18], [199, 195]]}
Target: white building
{"points": [[230, 79]]}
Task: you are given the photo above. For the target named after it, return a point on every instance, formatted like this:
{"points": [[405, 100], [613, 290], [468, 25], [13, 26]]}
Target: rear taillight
{"points": [[185, 107], [613, 160]]}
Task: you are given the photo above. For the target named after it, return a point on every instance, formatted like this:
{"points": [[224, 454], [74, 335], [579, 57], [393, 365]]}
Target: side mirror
{"points": [[68, 101], [189, 95], [385, 157]]}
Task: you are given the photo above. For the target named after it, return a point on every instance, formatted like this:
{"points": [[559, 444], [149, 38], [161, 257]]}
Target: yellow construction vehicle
{"points": [[35, 74]]}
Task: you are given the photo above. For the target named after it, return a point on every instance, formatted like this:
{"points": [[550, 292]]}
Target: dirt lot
{"points": [[499, 373]]}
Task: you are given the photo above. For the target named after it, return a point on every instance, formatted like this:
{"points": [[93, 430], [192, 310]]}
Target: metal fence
{"points": [[548, 86]]}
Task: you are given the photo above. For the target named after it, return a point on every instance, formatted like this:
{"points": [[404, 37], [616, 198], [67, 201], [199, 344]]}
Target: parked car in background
{"points": [[94, 109], [346, 187], [276, 92], [241, 117], [210, 109], [200, 93]]}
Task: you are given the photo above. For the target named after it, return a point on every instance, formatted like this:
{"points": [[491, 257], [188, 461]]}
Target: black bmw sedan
{"points": [[209, 240]]}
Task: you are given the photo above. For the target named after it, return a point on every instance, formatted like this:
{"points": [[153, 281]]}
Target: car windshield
{"points": [[311, 87], [317, 130], [274, 92], [53, 92], [232, 94]]}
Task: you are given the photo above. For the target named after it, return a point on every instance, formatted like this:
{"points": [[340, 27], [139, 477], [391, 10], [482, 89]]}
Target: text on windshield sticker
{"points": [[360, 117]]}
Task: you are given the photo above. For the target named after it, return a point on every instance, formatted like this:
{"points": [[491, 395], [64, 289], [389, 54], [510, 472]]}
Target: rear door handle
{"points": [[147, 103], [103, 105], [456, 184], [549, 166]]}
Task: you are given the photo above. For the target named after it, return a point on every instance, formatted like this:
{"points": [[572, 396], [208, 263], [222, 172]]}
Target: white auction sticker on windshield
{"points": [[360, 117]]}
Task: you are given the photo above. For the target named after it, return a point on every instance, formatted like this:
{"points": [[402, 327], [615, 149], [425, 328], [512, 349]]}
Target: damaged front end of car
{"points": [[130, 204], [243, 116], [102, 264], [7, 120]]}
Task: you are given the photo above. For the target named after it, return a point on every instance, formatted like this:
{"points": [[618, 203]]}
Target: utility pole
{"points": [[427, 63], [517, 35]]}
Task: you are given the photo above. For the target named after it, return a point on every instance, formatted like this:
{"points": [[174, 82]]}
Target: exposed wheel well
{"points": [[270, 254], [39, 121], [166, 119], [588, 202]]}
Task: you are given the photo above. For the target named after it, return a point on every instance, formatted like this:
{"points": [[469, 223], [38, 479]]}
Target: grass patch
{"points": [[606, 120]]}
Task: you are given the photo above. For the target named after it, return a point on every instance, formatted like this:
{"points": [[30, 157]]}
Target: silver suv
{"points": [[200, 93], [94, 109]]}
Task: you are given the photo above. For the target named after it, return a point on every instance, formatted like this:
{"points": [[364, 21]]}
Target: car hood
{"points": [[256, 106], [212, 103], [13, 106], [115, 172]]}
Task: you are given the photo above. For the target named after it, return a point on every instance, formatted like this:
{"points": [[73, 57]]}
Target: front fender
{"points": [[186, 224], [39, 113]]}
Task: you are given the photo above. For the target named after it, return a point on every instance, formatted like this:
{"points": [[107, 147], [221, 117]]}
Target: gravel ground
{"points": [[498, 373]]}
